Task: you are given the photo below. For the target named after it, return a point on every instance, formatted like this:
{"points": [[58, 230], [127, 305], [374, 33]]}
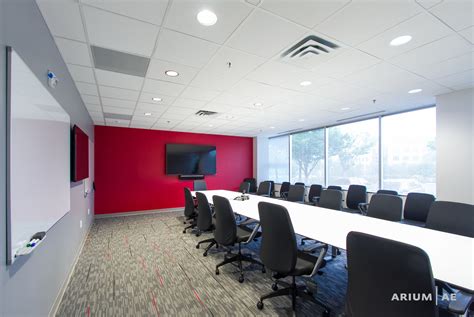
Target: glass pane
{"points": [[278, 159], [353, 154], [307, 157], [409, 151]]}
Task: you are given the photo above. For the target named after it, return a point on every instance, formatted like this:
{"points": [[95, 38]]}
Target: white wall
{"points": [[455, 146], [261, 158]]}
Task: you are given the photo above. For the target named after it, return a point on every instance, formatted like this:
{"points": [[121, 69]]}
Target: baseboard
{"points": [[59, 298], [137, 213]]}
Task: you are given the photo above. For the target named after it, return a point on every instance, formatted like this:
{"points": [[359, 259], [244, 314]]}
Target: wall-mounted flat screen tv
{"points": [[80, 155], [190, 159]]}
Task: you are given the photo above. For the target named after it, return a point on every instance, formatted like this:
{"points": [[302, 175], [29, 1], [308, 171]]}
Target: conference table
{"points": [[451, 255]]}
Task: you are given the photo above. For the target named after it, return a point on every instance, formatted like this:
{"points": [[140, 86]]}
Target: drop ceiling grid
{"points": [[239, 124]]}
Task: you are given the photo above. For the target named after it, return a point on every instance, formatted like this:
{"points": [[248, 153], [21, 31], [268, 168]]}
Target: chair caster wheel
{"points": [[198, 234], [241, 279], [204, 254], [325, 313], [184, 231], [275, 287], [302, 242], [263, 270], [217, 272], [197, 246], [260, 305]]}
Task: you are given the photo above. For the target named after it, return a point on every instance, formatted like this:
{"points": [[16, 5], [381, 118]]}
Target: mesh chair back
{"points": [[264, 188], [451, 217], [331, 199], [200, 185], [226, 228], [296, 193], [188, 203], [314, 191], [386, 207], [204, 219], [417, 206], [356, 194], [244, 187]]}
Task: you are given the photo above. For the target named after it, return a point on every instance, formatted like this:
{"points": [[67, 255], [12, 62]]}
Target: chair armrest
{"points": [[253, 234], [363, 207], [320, 260], [249, 221], [461, 304]]}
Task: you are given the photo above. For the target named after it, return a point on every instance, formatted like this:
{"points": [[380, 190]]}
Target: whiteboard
{"points": [[38, 157]]}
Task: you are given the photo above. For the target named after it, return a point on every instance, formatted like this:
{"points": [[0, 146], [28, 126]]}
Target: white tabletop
{"points": [[451, 255]]}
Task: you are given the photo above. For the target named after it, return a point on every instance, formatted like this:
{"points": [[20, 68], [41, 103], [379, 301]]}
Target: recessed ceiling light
{"points": [[156, 99], [207, 17], [345, 108], [301, 120], [147, 114], [171, 73], [211, 125], [272, 127], [414, 91], [305, 83], [400, 40], [258, 104]]}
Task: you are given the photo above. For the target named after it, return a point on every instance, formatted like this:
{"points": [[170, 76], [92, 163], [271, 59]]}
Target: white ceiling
{"points": [[251, 35]]}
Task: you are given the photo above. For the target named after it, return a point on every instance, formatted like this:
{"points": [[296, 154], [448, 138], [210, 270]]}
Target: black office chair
{"points": [[190, 212], [451, 217], [300, 184], [244, 187], [334, 187], [380, 269], [253, 184], [356, 195], [280, 254], [272, 188], [284, 189], [455, 218], [314, 194], [417, 206], [264, 189], [329, 199], [363, 207], [296, 194], [200, 185], [204, 221], [386, 207], [227, 233]]}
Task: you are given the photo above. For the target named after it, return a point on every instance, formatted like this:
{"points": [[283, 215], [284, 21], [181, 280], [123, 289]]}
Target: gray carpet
{"points": [[145, 266]]}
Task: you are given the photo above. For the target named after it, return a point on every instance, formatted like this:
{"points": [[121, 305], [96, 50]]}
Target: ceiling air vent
{"points": [[311, 44], [202, 113]]}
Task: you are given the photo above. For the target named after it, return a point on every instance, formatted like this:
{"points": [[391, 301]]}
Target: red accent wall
{"points": [[130, 167]]}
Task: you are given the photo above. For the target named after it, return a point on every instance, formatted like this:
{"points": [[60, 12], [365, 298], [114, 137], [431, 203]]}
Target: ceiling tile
{"points": [[81, 73], [233, 99], [360, 20], [200, 94], [307, 13], [162, 87], [424, 28], [87, 89], [117, 122], [120, 33], [63, 18], [181, 111], [156, 110], [118, 103], [158, 68], [74, 52], [348, 62], [468, 34], [113, 79], [118, 93], [140, 125], [118, 110], [428, 3], [265, 34], [182, 14], [458, 14], [217, 75], [189, 103], [92, 107], [385, 77], [273, 73], [184, 49], [434, 52], [459, 80], [151, 11], [148, 98], [447, 67], [93, 100]]}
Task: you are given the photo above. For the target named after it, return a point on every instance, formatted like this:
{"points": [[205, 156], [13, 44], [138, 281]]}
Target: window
{"points": [[307, 157], [353, 154], [409, 153], [278, 159]]}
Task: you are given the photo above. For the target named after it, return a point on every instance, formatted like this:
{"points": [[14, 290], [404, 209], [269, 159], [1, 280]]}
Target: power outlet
{"points": [[80, 223], [88, 211]]}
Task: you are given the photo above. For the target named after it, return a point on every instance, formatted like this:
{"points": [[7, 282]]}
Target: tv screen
{"points": [[80, 155], [190, 159]]}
